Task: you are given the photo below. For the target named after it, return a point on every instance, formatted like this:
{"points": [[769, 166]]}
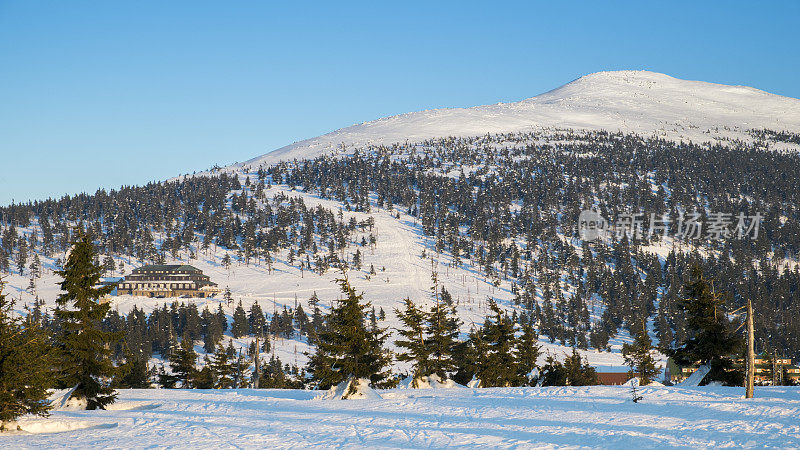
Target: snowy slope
{"points": [[643, 102], [598, 416], [401, 273]]}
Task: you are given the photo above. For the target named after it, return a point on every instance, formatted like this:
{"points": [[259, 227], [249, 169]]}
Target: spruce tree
{"points": [[553, 372], [134, 373], [212, 330], [414, 340], [24, 366], [347, 350], [240, 372], [710, 341], [222, 318], [222, 369], [499, 366], [442, 328], [574, 371], [640, 359], [240, 325], [183, 362], [204, 379], [256, 320], [578, 371], [85, 348], [527, 353], [468, 356]]}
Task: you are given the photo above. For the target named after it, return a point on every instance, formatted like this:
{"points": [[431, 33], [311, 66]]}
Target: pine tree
{"points": [[256, 320], [711, 342], [499, 367], [527, 352], [204, 379], [134, 373], [640, 359], [24, 366], [222, 318], [578, 371], [85, 348], [574, 371], [183, 362], [227, 296], [240, 325], [165, 380], [212, 330], [240, 372], [553, 372], [414, 340], [222, 369], [468, 356], [443, 329], [22, 255], [346, 349]]}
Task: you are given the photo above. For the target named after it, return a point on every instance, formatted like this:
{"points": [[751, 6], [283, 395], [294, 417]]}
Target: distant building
{"points": [[613, 378], [764, 367], [762, 370], [164, 280]]}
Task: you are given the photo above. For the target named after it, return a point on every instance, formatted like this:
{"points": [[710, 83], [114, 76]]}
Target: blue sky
{"points": [[103, 94]]}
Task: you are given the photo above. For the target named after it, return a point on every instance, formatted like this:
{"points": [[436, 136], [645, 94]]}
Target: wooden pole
{"points": [[256, 374], [751, 356]]}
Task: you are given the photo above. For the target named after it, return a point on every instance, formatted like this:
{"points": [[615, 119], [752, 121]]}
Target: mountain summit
{"points": [[636, 101]]}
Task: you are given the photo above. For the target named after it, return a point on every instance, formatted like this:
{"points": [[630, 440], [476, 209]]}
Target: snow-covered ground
{"points": [[406, 418]]}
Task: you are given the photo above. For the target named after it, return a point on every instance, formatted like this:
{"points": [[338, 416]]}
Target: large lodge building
{"points": [[782, 366], [163, 280]]}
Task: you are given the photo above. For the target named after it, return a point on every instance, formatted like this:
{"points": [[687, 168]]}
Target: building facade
{"points": [[763, 368], [164, 280]]}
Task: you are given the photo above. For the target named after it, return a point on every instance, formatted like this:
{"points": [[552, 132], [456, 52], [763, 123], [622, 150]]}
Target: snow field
{"points": [[598, 416]]}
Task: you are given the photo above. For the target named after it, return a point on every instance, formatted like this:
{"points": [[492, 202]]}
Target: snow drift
{"points": [[351, 389], [428, 382]]}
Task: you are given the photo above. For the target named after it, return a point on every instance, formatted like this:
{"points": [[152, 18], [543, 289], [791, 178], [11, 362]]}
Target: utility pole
{"points": [[751, 355], [255, 372]]}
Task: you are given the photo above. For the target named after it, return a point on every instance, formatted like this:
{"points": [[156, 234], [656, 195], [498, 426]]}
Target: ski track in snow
{"points": [[598, 416]]}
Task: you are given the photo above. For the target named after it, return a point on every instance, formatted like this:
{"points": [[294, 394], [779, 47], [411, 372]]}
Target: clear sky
{"points": [[109, 93]]}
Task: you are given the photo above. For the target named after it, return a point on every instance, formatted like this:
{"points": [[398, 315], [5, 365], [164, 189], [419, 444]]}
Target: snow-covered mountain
{"points": [[641, 102], [403, 256]]}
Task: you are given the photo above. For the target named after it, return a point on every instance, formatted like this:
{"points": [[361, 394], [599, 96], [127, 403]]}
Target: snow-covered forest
{"points": [[451, 264]]}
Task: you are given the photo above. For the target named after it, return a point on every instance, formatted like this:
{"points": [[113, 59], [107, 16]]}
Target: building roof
{"points": [[167, 267], [111, 279]]}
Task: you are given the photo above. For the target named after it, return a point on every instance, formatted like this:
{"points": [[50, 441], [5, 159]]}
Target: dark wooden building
{"points": [[613, 378], [167, 280]]}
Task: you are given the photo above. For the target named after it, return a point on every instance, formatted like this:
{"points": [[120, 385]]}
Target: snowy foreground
{"points": [[600, 416]]}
